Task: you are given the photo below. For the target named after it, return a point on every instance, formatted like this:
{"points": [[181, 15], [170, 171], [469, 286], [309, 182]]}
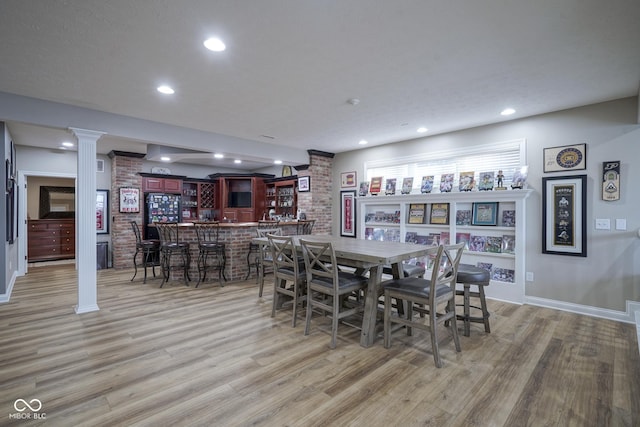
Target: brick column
{"points": [[124, 173], [317, 202]]}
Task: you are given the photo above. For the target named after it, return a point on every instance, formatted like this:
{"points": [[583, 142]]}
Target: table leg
{"points": [[369, 320]]}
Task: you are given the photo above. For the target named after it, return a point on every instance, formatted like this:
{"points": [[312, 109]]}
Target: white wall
{"points": [[610, 274], [8, 252]]}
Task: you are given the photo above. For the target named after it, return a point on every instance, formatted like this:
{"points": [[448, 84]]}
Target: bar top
{"points": [[232, 224]]}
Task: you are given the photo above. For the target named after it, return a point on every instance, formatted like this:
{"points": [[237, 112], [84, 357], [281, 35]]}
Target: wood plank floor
{"points": [[214, 357]]}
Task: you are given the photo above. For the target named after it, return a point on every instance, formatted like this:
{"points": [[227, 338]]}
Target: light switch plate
{"points": [[621, 224], [603, 224]]}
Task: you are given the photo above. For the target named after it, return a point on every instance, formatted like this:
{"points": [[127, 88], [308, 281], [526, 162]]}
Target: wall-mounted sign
{"points": [[611, 181]]}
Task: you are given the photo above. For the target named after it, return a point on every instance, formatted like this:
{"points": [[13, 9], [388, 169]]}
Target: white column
{"points": [[86, 220]]}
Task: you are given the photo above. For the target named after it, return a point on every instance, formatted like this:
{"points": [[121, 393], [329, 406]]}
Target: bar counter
{"points": [[236, 236]]}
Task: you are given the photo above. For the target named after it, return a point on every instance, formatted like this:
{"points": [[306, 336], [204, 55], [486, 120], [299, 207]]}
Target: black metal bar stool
{"points": [[469, 275], [174, 253], [305, 226], [150, 249], [253, 256], [211, 252]]}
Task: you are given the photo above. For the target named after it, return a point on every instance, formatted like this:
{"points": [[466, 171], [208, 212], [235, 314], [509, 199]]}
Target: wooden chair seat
{"points": [[409, 270]]}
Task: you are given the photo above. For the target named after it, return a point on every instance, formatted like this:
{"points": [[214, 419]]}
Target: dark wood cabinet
{"points": [[241, 196], [199, 200], [51, 239], [281, 195], [161, 185]]}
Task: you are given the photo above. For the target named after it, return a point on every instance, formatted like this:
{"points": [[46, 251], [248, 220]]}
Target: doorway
{"points": [[30, 182]]}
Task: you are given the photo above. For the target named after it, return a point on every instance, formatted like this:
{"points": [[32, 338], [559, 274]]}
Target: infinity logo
{"points": [[21, 405]]}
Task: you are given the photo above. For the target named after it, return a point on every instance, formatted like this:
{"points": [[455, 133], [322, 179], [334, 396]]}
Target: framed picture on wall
{"points": [[565, 158], [348, 179], [102, 211], [348, 213], [129, 200], [304, 184], [564, 222], [485, 213]]}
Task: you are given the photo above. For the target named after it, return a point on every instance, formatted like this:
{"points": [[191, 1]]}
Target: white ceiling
{"points": [[291, 65]]}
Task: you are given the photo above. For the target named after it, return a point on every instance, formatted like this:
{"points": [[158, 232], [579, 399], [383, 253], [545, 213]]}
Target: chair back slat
{"points": [[283, 254], [451, 255], [168, 232], [263, 232], [208, 233], [320, 262], [136, 231], [305, 226]]}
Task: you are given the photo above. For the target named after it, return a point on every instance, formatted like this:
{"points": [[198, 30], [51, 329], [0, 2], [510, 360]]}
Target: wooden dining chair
{"points": [[427, 296], [265, 262], [288, 274], [328, 287]]}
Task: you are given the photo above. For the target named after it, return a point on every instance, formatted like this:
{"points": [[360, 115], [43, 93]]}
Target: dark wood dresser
{"points": [[51, 239]]}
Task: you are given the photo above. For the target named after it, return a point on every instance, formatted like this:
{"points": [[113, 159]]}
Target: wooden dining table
{"points": [[363, 255]]}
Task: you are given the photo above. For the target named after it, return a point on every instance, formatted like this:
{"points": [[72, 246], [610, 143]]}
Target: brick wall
{"points": [[317, 202], [124, 173]]}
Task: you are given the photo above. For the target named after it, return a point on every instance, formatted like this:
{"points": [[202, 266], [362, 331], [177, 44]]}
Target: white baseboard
{"points": [[7, 295], [620, 316]]}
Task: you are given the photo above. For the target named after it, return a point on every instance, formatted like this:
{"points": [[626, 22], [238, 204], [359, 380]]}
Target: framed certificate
{"points": [[416, 213], [439, 213]]}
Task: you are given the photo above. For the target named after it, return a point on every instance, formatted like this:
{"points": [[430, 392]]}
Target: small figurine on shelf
{"points": [[500, 177]]}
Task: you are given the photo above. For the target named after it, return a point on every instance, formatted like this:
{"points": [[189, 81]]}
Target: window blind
{"points": [[506, 156]]}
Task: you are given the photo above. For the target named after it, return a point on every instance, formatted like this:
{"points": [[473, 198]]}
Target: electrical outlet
{"points": [[529, 276], [603, 224]]}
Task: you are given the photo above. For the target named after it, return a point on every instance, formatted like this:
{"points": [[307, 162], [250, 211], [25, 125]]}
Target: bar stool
{"points": [[175, 254], [469, 275], [305, 226], [211, 252], [150, 249], [253, 256]]}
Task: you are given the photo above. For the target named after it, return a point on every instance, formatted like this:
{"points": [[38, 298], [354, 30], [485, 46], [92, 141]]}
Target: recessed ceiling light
{"points": [[218, 156], [67, 144], [237, 161], [165, 159], [422, 130], [167, 90], [214, 44], [507, 111], [277, 162], [363, 142]]}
